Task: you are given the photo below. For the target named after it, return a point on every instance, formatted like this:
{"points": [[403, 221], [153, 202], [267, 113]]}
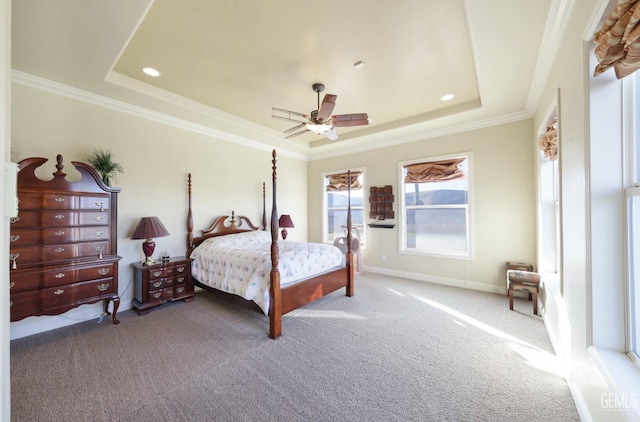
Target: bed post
{"points": [[264, 208], [349, 256], [275, 307], [189, 220]]}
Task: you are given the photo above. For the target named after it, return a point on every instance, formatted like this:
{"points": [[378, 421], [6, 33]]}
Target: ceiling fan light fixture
{"points": [[447, 97], [318, 128]]}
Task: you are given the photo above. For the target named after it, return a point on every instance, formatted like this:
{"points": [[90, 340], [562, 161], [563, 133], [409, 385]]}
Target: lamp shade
{"points": [[148, 228], [285, 221]]}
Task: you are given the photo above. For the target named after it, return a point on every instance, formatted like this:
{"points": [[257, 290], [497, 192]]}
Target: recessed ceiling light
{"points": [[359, 64], [151, 71], [447, 97]]}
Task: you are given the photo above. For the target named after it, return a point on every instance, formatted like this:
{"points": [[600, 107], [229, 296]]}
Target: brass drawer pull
{"points": [[103, 271], [59, 216], [11, 303], [58, 292], [180, 289], [156, 295], [14, 237], [180, 269], [11, 285], [59, 249], [13, 257], [100, 204], [59, 199], [157, 284], [98, 218], [59, 233], [98, 234], [59, 275], [99, 249], [179, 279], [102, 287], [15, 219], [157, 273]]}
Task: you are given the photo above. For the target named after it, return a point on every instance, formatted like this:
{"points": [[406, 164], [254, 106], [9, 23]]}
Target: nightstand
{"points": [[161, 282]]}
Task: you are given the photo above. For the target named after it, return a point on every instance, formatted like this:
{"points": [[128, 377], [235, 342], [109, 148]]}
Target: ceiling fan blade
{"points": [[330, 134], [326, 108], [292, 116], [295, 128], [356, 119], [296, 134]]}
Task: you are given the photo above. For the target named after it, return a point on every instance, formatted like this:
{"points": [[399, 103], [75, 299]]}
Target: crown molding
{"points": [[57, 88]]}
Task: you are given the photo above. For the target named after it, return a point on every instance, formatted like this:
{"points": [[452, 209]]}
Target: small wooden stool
{"points": [[521, 278]]}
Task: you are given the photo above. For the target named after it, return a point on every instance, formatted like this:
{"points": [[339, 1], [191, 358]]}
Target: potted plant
{"points": [[102, 161]]}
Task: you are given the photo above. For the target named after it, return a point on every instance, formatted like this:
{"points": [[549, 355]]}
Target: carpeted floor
{"points": [[399, 350]]}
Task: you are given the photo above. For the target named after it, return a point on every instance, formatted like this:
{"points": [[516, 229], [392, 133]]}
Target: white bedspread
{"points": [[241, 263]]}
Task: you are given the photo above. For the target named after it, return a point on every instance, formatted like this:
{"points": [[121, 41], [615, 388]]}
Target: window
{"points": [[435, 206], [549, 231], [632, 193], [335, 205]]}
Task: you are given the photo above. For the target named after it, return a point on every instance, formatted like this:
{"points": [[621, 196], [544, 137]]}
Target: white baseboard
{"points": [[39, 324], [466, 284]]}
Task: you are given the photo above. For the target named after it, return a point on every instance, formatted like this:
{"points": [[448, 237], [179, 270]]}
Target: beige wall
{"points": [[503, 201], [156, 158]]}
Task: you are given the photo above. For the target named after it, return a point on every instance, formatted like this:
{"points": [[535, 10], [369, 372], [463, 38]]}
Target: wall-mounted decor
{"points": [[381, 203]]}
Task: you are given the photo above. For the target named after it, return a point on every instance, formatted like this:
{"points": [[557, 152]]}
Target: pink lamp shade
{"points": [[148, 228], [285, 223]]}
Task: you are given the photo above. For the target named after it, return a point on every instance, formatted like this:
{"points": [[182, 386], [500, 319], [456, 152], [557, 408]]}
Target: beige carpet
{"points": [[399, 350]]}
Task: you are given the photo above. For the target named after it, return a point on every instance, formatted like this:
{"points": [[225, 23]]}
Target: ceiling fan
{"points": [[319, 121]]}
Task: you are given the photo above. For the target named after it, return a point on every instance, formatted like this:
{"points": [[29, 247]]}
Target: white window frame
{"points": [[325, 209], [402, 223]]}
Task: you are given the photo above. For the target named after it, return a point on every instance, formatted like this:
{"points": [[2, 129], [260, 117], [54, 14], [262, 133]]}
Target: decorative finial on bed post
{"points": [[264, 209]]}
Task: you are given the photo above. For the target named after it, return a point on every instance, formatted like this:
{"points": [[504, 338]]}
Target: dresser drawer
{"points": [[96, 272], [93, 249], [88, 234], [155, 284], [57, 296], [157, 273], [98, 202], [167, 294], [25, 281], [91, 289], [180, 290], [59, 277], [49, 201], [155, 297], [93, 218], [24, 304]]}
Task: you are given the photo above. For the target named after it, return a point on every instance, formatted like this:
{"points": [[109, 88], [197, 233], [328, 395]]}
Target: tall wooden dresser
{"points": [[63, 245]]}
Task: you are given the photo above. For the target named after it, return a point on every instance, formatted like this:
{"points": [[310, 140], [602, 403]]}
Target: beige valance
{"points": [[618, 41], [340, 181], [548, 142], [434, 171]]}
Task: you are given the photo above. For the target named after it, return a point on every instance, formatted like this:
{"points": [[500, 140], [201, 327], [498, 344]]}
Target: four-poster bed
{"points": [[321, 272]]}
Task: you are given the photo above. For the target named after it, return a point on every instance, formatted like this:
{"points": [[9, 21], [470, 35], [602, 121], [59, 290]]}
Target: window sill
{"points": [[623, 378]]}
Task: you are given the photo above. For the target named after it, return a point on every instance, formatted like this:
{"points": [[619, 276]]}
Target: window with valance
{"points": [[435, 206], [335, 204]]}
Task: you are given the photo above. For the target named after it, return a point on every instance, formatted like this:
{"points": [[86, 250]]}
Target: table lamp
{"points": [[148, 228], [285, 223]]}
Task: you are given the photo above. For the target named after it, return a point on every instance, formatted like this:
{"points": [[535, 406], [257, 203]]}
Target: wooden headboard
{"points": [[222, 225]]}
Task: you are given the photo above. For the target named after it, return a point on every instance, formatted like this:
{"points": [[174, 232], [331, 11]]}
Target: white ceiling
{"points": [[225, 64]]}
